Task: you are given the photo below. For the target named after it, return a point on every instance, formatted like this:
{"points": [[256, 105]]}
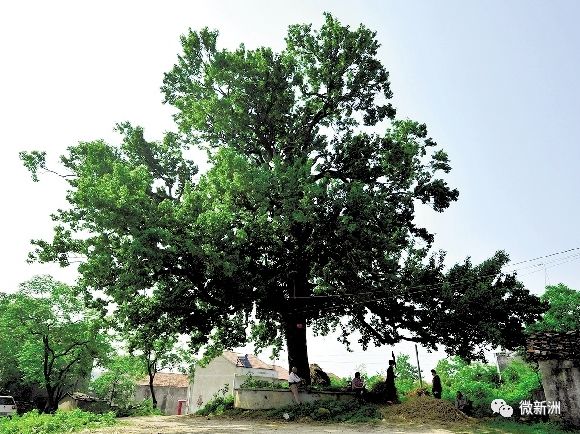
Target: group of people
{"points": [[390, 390]]}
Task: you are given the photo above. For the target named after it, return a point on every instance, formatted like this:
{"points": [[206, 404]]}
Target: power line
{"points": [[546, 256], [434, 285], [314, 309]]}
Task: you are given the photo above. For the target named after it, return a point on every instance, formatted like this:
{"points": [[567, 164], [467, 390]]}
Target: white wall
{"points": [[218, 373]]}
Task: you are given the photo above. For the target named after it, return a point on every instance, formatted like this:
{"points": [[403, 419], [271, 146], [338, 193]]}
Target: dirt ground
{"points": [[188, 424]]}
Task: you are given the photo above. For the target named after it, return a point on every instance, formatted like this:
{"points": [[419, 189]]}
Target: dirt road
{"points": [[187, 424]]}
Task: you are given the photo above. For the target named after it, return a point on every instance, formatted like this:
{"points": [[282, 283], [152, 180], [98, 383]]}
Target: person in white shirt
{"points": [[293, 381]]}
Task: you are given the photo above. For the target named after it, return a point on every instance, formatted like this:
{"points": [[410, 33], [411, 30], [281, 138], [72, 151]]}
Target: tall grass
{"points": [[57, 423]]}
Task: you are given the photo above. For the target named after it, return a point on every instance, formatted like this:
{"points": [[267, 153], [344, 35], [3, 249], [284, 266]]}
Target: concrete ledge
{"points": [[264, 399]]}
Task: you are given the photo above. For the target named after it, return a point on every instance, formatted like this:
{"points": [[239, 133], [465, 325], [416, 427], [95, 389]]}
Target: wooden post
{"points": [[418, 366]]}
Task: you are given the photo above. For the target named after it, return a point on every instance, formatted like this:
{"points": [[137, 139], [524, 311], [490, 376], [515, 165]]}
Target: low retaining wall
{"points": [[263, 399]]}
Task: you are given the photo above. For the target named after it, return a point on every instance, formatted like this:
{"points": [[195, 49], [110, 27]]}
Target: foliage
{"points": [[117, 383], [59, 339], [313, 191], [143, 408], [59, 422], [407, 375], [340, 383], [254, 383], [12, 380], [154, 345], [481, 383], [563, 312], [217, 405]]}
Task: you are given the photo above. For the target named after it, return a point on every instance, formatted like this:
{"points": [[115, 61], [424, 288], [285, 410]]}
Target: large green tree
{"points": [[59, 339], [563, 312], [305, 219]]}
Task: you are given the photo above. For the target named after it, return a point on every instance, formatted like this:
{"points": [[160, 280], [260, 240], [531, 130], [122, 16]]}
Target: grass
{"points": [[496, 426], [59, 422]]}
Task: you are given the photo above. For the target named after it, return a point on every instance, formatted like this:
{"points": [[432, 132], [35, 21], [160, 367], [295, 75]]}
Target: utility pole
{"points": [[418, 366]]}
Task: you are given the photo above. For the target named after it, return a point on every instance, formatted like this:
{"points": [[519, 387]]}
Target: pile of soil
{"points": [[423, 409]]}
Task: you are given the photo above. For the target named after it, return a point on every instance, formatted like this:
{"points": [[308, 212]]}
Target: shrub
{"points": [[481, 383], [217, 406], [145, 408], [253, 383], [59, 422]]}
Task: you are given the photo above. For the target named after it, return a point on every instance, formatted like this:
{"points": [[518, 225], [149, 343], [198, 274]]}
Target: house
{"points": [[558, 357], [170, 391], [227, 372], [84, 402]]}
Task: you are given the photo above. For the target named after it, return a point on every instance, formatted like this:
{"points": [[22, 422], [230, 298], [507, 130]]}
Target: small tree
{"points": [[154, 345], [407, 374], [59, 338], [117, 384]]}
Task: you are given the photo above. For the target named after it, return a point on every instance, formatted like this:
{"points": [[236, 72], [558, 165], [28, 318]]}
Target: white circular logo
{"points": [[506, 410], [501, 407], [496, 404]]}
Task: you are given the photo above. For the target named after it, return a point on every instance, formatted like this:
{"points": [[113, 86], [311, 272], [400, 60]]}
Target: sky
{"points": [[495, 82]]}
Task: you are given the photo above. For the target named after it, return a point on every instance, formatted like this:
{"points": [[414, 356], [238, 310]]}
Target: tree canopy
{"points": [[563, 312], [52, 336], [306, 217]]}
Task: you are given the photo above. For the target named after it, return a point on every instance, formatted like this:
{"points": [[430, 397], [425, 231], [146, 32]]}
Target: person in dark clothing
{"points": [[390, 388], [357, 385], [436, 389], [463, 404]]}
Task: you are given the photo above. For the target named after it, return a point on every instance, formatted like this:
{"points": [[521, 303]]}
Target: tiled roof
{"points": [[251, 361], [282, 373], [166, 379]]}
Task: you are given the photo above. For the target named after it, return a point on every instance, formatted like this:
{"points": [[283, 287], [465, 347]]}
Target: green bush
{"points": [[481, 383], [253, 383], [339, 383], [217, 406], [59, 422], [145, 408]]}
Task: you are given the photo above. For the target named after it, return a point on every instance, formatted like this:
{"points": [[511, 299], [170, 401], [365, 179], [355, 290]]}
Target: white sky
{"points": [[496, 84]]}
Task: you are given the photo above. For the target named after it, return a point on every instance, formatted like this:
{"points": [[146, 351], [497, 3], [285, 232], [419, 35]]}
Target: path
{"points": [[188, 424]]}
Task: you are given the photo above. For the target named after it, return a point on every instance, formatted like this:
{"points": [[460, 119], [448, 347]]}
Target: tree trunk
{"points": [[51, 406], [151, 373], [295, 331]]}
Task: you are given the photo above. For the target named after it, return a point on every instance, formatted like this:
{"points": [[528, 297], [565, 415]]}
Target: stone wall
{"points": [[558, 346], [263, 399]]}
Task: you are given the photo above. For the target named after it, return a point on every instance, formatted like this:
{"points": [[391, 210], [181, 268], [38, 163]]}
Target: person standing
{"points": [[358, 386], [390, 388], [293, 382], [436, 388]]}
